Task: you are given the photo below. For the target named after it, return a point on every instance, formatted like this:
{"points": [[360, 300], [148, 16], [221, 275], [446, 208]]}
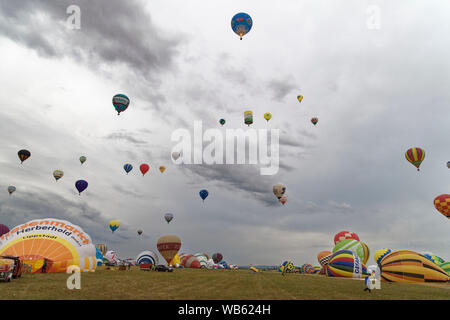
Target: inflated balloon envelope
{"points": [[50, 245]]}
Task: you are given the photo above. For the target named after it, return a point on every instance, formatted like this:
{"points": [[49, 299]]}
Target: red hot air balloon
{"points": [[345, 235], [144, 168], [442, 204]]}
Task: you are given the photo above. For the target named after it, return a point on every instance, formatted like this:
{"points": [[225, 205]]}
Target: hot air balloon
{"points": [[345, 235], [241, 23], [267, 116], [98, 257], [217, 257], [410, 266], [139, 232], [147, 257], [359, 248], [283, 199], [286, 267], [168, 217], [442, 204], [127, 167], [144, 168], [102, 247], [23, 155], [203, 194], [176, 155], [81, 185], [299, 98], [448, 164], [279, 190], [345, 263], [324, 257], [82, 159], [190, 261], [114, 225], [11, 189], [50, 245], [222, 121], [162, 169], [168, 246], [3, 229], [415, 156], [176, 261], [380, 254], [58, 174], [248, 117], [314, 120], [120, 102]]}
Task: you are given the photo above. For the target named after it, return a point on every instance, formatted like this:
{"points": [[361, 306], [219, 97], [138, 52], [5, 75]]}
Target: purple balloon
{"points": [[3, 229], [81, 185]]}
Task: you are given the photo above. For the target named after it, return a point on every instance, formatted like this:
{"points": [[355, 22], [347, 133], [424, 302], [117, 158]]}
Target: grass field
{"points": [[208, 284]]}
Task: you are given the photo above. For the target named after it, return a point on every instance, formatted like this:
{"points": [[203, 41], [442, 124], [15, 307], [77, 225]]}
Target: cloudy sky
{"points": [[376, 92]]}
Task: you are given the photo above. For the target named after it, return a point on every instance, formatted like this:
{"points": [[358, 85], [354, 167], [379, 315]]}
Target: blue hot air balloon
{"points": [[203, 194], [128, 167], [241, 24], [81, 185]]}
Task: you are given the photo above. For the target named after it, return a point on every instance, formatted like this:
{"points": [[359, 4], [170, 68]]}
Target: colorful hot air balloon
{"points": [[203, 194], [162, 169], [127, 167], [23, 155], [114, 225], [241, 23], [355, 246], [58, 174], [217, 257], [102, 247], [144, 168], [222, 121], [410, 266], [120, 102], [345, 235], [267, 116], [345, 263], [190, 261], [139, 232], [314, 120], [415, 156], [279, 190], [299, 98], [3, 229], [168, 246], [286, 267], [82, 159], [442, 204], [324, 257], [81, 185], [248, 117], [11, 189], [380, 254], [283, 199], [50, 245], [168, 217]]}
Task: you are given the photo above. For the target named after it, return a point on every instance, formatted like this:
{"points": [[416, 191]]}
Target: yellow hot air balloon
{"points": [[415, 156], [162, 169], [299, 98], [175, 261], [267, 116], [114, 225]]}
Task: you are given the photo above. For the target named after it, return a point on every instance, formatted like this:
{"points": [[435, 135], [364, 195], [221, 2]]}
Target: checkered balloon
{"points": [[442, 204]]}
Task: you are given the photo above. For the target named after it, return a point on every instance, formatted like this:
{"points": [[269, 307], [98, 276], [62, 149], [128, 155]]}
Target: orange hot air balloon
{"points": [[168, 246], [324, 257], [442, 204]]}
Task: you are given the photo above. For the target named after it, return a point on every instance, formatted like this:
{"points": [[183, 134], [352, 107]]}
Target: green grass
{"points": [[209, 285]]}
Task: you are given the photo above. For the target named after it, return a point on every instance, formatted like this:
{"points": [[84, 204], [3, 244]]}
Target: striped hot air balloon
{"points": [[347, 264], [410, 266], [415, 156], [168, 246]]}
